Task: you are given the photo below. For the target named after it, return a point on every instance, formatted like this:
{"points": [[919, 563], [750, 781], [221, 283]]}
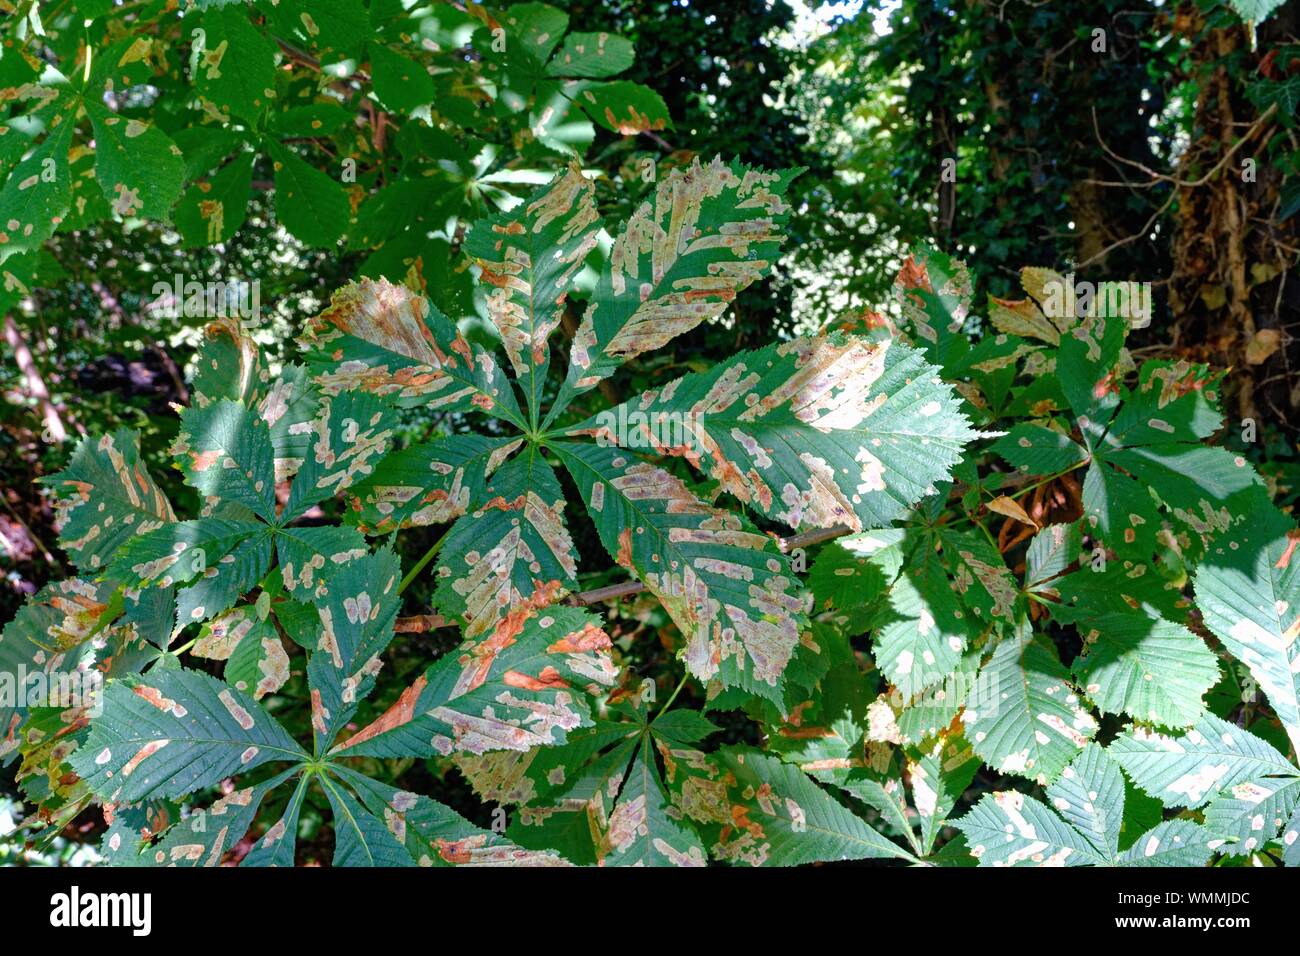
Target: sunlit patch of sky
{"points": [[813, 20]]}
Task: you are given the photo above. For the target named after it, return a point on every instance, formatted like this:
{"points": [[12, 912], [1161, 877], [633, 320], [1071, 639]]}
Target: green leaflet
{"points": [[1146, 667], [1250, 814], [934, 294], [531, 257], [982, 578], [174, 732], [620, 106], [515, 546], [350, 434], [755, 810], [38, 191], [361, 838], [106, 496], [1256, 11], [309, 203], [813, 432], [44, 641], [592, 55], [435, 835], [523, 685], [400, 83], [1038, 450], [427, 484], [641, 829], [1011, 829], [708, 233], [556, 87], [1248, 590], [183, 552], [276, 846], [226, 455], [1027, 719], [234, 64], [330, 27], [380, 338], [598, 799], [229, 366], [357, 613], [208, 834], [729, 589], [256, 661], [138, 166], [1151, 445], [939, 772], [920, 630], [1051, 553], [1188, 769], [213, 210]]}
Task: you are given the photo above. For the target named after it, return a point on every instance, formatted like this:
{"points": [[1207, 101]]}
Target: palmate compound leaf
{"points": [[386, 340], [226, 450], [814, 432], [175, 731], [525, 684], [836, 737], [514, 545], [729, 589], [531, 257], [1010, 829], [755, 810], [642, 828], [709, 231], [1248, 590], [106, 497], [552, 787], [1023, 716]]}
